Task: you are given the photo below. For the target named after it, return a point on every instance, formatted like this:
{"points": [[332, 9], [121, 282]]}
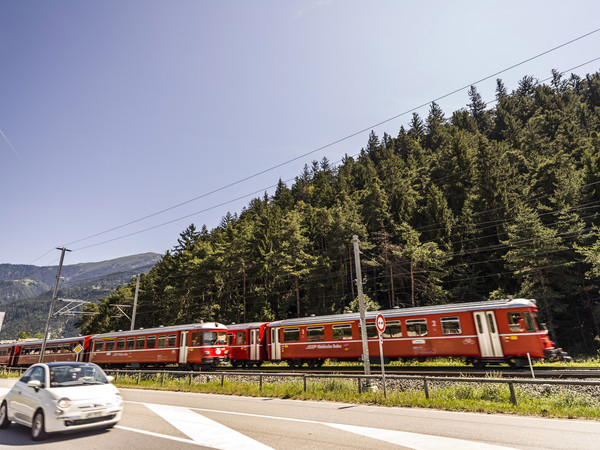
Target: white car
{"points": [[62, 396]]}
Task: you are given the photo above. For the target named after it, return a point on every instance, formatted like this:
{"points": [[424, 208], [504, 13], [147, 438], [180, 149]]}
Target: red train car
{"points": [[247, 344], [67, 349], [482, 332], [190, 346], [8, 353]]}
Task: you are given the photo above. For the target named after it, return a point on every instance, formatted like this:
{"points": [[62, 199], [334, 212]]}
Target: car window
{"points": [[69, 375], [38, 374], [27, 375]]}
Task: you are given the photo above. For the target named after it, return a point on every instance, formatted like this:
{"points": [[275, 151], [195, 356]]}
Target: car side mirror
{"points": [[110, 378], [36, 384]]}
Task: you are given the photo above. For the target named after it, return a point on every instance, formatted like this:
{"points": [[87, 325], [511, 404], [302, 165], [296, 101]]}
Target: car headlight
{"points": [[63, 403]]}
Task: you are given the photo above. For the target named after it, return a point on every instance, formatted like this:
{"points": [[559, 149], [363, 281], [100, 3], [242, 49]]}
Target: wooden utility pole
{"points": [[135, 297], [361, 304]]}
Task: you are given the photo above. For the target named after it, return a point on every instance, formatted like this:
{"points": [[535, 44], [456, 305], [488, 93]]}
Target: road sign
{"points": [[380, 323], [78, 349]]}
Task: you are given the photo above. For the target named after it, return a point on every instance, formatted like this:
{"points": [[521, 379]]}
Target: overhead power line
{"points": [[347, 137]]}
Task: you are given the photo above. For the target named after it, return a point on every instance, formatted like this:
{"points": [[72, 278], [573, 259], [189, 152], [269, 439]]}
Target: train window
{"points": [[529, 321], [172, 340], [140, 342], [291, 335], [222, 337], [451, 325], [162, 341], [130, 343], [229, 338], [110, 345], [315, 333], [371, 331], [120, 344], [416, 327], [342, 332], [514, 321], [98, 345], [392, 329], [195, 338], [240, 338], [151, 342]]}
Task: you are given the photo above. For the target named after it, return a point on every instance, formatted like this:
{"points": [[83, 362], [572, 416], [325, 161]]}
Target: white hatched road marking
{"points": [[206, 432], [406, 439], [203, 430], [415, 440]]}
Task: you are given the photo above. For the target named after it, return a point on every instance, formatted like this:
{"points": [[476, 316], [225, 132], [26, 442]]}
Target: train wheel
{"points": [[258, 364], [235, 364], [516, 363], [312, 363], [478, 364]]}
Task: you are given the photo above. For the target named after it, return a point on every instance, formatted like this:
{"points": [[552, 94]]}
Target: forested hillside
{"points": [[492, 200]]}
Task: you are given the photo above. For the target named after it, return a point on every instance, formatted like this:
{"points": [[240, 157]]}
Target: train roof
{"points": [[243, 326], [435, 309], [51, 341], [192, 326]]}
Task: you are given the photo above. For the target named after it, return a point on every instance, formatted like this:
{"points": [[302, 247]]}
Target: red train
{"points": [[188, 346], [483, 333], [501, 331]]}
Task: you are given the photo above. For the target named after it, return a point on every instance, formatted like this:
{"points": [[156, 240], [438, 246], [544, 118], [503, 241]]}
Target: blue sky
{"points": [[111, 111]]}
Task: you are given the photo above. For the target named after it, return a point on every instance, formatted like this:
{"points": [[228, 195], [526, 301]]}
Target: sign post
{"points": [[380, 323]]}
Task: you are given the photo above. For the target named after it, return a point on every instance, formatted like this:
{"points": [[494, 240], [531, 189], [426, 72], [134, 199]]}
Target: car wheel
{"points": [[4, 422], [37, 427]]}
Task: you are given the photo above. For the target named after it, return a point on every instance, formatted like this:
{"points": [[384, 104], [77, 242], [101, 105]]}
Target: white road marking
{"points": [[203, 430], [415, 440], [164, 436]]}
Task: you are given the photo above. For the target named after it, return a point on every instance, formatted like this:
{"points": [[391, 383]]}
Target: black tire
{"points": [[4, 421], [38, 431]]}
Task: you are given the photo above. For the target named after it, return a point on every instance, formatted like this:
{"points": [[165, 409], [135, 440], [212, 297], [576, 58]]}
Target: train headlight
{"points": [[206, 353]]}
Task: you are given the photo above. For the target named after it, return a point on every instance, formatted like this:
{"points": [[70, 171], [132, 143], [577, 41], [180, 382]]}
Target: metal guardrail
{"points": [[360, 378]]}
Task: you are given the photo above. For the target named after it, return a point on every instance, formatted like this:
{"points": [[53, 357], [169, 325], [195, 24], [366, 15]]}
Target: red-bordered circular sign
{"points": [[380, 323]]}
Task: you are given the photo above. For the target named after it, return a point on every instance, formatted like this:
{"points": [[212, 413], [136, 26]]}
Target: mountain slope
{"points": [[26, 291]]}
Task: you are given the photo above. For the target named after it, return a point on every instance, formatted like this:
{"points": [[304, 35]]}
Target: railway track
{"points": [[450, 371]]}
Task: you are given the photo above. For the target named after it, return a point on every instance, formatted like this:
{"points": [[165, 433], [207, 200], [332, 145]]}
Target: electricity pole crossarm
{"points": [[121, 311], [70, 307]]}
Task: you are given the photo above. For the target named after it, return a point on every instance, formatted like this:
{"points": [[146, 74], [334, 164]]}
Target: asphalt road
{"points": [[171, 420]]}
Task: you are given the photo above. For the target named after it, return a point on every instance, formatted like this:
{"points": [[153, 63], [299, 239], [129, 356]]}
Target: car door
{"points": [[16, 402], [31, 397]]}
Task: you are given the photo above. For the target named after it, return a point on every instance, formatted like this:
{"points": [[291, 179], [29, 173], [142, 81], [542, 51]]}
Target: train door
{"points": [[275, 344], [183, 348], [254, 350], [487, 334]]}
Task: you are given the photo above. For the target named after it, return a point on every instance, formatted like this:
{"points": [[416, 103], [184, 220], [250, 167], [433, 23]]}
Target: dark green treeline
{"points": [[495, 200]]}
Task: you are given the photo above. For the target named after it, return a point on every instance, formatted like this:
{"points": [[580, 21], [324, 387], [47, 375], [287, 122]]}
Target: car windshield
{"points": [[69, 375]]}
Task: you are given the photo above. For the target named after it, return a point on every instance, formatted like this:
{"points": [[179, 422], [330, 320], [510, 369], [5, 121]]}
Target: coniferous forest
{"points": [[493, 200]]}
